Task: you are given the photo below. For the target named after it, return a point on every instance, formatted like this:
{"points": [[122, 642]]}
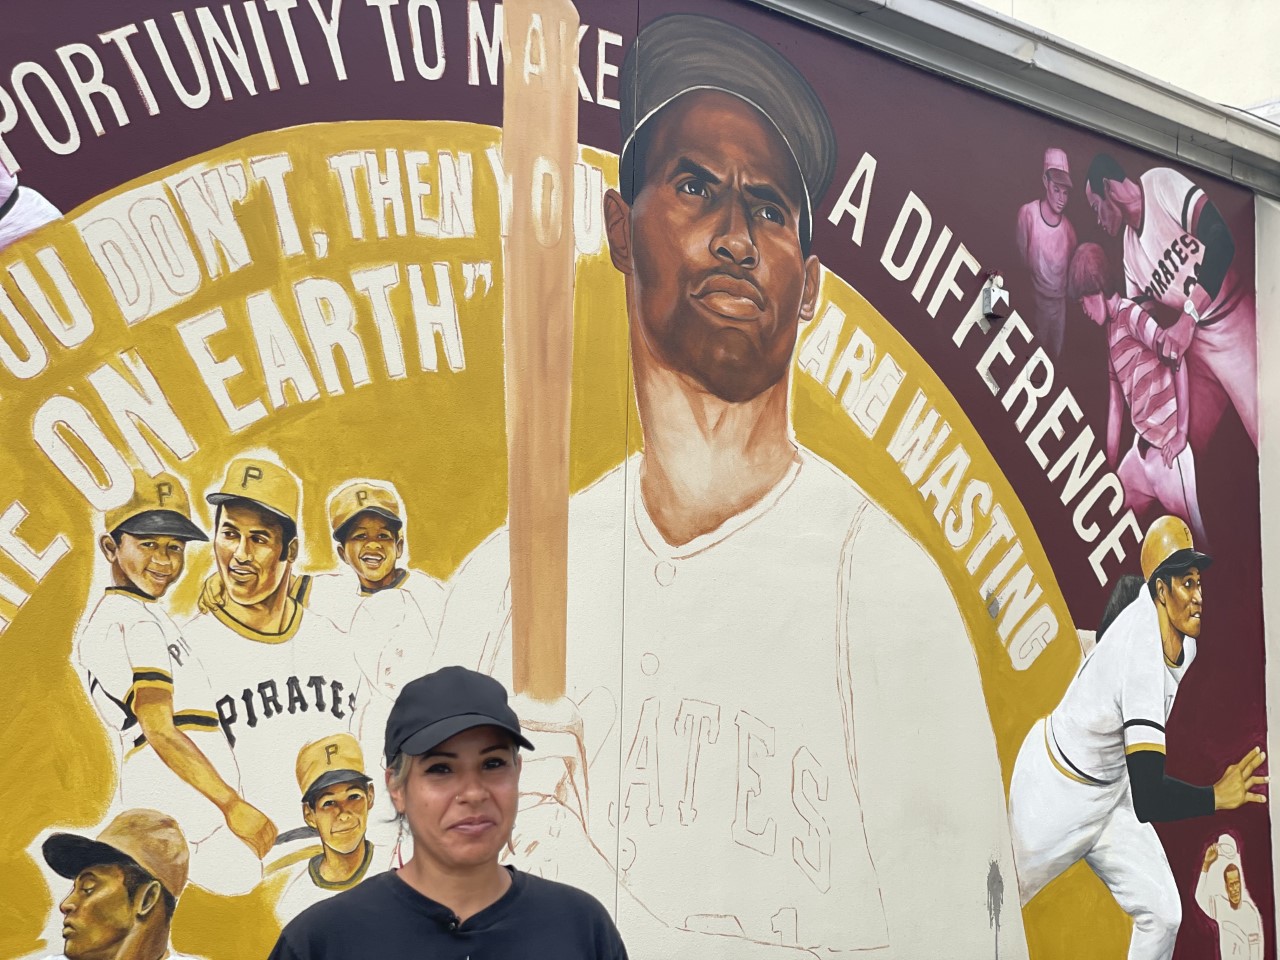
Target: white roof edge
{"points": [[993, 52]]}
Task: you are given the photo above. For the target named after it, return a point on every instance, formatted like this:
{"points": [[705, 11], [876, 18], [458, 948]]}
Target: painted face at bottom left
{"points": [[151, 563], [97, 914]]}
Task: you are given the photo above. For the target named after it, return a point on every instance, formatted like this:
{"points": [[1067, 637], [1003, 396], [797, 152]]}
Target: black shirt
{"points": [[386, 919]]}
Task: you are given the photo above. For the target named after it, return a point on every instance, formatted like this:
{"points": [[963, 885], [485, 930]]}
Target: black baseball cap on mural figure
{"points": [[442, 704], [680, 53]]}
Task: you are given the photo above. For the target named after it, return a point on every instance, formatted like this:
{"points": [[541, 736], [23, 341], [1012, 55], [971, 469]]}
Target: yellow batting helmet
{"points": [[1168, 547]]}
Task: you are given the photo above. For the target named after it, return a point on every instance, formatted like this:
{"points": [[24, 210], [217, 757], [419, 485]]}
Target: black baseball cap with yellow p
{"points": [[442, 704]]}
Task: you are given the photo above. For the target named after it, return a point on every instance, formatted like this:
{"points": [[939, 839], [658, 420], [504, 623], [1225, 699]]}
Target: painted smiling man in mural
{"points": [[1178, 252], [1090, 778], [781, 768], [132, 658], [280, 676], [125, 887], [337, 800]]}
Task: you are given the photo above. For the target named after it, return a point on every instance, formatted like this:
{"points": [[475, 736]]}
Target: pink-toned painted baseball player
{"points": [[1046, 239]]}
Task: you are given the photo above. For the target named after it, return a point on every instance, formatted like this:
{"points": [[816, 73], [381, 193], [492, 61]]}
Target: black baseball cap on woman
{"points": [[443, 704]]}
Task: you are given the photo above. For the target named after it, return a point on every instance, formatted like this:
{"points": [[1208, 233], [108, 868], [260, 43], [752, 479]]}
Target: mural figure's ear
{"points": [[617, 227], [107, 544], [148, 900], [812, 281]]}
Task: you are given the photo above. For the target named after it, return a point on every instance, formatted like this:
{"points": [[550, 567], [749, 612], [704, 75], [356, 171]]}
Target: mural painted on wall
{"points": [[840, 499]]}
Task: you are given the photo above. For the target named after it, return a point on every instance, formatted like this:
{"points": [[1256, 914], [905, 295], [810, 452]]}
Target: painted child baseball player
{"points": [[280, 676], [763, 590], [1046, 240], [125, 887], [1159, 467], [1089, 779], [1178, 251], [392, 612], [1221, 894], [132, 657], [337, 801]]}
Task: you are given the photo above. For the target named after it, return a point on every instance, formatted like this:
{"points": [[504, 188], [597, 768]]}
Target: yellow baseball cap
{"points": [[159, 507], [267, 484], [334, 759], [149, 838], [350, 501], [1168, 547]]}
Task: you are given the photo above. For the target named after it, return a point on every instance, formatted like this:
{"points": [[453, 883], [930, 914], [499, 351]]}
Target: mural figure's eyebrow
{"points": [[762, 191], [685, 165]]}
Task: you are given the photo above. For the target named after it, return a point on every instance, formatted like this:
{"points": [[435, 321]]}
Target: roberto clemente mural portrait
{"points": [[638, 356]]}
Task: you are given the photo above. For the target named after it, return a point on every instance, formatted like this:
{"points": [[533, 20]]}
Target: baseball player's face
{"points": [[97, 914], [248, 547], [340, 815], [717, 282], [372, 548], [460, 799], [1183, 600], [1095, 308], [150, 563], [1232, 876], [1056, 194], [1106, 211]]}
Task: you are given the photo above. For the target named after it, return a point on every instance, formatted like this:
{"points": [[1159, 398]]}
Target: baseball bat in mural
{"points": [[539, 147]]}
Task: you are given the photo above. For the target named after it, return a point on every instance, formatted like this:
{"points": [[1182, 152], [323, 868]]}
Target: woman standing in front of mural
{"points": [[453, 772]]}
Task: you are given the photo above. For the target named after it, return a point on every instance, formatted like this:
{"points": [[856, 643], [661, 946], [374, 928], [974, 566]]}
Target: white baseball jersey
{"points": [[272, 695], [305, 886], [1162, 258], [1119, 699], [1239, 928], [339, 595], [24, 212], [750, 699], [1070, 797], [393, 636], [130, 643]]}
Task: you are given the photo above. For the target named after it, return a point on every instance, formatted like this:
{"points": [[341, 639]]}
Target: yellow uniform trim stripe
{"points": [[231, 623], [1059, 767], [1136, 747], [290, 859]]}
